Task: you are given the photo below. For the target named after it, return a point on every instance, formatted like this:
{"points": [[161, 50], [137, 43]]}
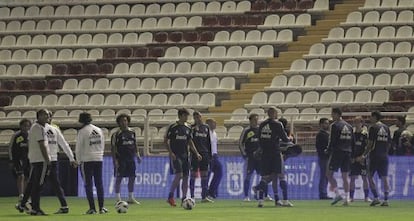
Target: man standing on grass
{"points": [[55, 140], [379, 142], [39, 156], [341, 142], [215, 165], [322, 141], [124, 150], [202, 142], [271, 131], [90, 146], [19, 162], [177, 139], [359, 168]]}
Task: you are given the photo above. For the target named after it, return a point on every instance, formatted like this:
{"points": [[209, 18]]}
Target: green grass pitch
{"points": [[221, 210]]}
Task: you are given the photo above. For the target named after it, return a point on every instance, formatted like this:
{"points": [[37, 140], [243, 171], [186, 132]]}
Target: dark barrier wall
{"points": [[68, 178]]}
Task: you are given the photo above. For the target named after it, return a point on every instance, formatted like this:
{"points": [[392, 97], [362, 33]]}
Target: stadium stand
{"points": [[224, 58]]}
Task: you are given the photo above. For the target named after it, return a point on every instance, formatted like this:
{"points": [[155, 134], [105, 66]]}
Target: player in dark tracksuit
{"points": [[124, 150], [202, 142], [271, 132], [379, 142], [359, 168], [178, 139], [322, 141], [340, 146], [248, 145], [18, 149]]}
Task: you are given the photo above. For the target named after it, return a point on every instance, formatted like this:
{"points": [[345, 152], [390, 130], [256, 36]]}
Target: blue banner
{"points": [[302, 174]]}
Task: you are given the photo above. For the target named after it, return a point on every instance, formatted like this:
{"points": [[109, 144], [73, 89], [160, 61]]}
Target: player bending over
{"points": [[177, 139], [124, 149]]}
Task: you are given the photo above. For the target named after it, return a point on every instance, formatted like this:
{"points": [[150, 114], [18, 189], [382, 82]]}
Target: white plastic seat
{"points": [[19, 100], [293, 98], [330, 81], [295, 82], [405, 16], [30, 69], [148, 84], [143, 100], [334, 49], [211, 84], [347, 81], [218, 52], [307, 115], [119, 24], [132, 84], [187, 52], [163, 84], [9, 40], [313, 81], [180, 22], [70, 84], [254, 36], [369, 48], [278, 82], [345, 97], [191, 100], [362, 98], [159, 100], [167, 68], [65, 54], [195, 84], [271, 21], [327, 98], [50, 100], [298, 65], [65, 100], [207, 100], [291, 114], [285, 36], [239, 115], [382, 81], [34, 54], [380, 97], [259, 99], [315, 65], [110, 100], [152, 68], [34, 100], [85, 84], [317, 50], [399, 80], [61, 25], [386, 48], [402, 48], [388, 16], [115, 39], [77, 10], [276, 98], [387, 32], [353, 33], [234, 52], [175, 100], [92, 10], [101, 85]]}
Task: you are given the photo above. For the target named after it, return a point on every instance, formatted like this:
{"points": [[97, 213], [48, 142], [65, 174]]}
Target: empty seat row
{"points": [[386, 33], [310, 114], [85, 69], [387, 4], [29, 70], [108, 10], [103, 25], [351, 65], [252, 37], [379, 18], [274, 5], [314, 99], [115, 101], [148, 85], [286, 21], [74, 41], [347, 81], [371, 49], [27, 85], [250, 52], [232, 68], [49, 55]]}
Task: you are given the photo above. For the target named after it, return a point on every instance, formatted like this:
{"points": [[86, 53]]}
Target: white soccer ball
{"points": [[188, 204], [121, 207]]}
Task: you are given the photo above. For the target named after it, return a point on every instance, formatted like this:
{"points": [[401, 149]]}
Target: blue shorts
{"points": [[378, 165], [125, 169], [203, 164], [253, 164], [358, 169], [340, 160], [180, 165], [272, 164]]}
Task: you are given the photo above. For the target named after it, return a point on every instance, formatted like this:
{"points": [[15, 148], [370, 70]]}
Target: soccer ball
{"points": [[188, 204], [121, 207]]}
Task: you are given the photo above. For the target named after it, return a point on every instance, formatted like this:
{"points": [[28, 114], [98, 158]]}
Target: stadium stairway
{"points": [[294, 50]]}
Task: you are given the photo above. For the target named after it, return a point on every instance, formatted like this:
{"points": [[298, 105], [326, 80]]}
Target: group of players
{"points": [[33, 154], [356, 152]]}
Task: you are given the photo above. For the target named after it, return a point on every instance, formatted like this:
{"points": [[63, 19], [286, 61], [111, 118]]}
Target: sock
{"points": [[283, 185], [385, 196], [170, 195], [346, 196], [246, 187], [192, 186], [131, 195], [336, 192], [366, 193], [276, 197], [118, 196], [351, 193], [204, 186], [374, 192]]}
